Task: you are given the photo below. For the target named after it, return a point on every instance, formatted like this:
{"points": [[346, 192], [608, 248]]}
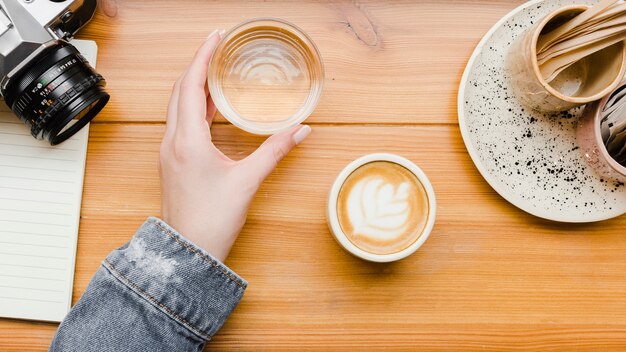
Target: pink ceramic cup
{"points": [[590, 142]]}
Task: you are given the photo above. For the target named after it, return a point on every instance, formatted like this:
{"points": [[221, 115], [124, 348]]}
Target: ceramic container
{"points": [[586, 81], [591, 144]]}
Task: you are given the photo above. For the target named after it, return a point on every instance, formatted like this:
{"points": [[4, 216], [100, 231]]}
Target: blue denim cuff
{"points": [[177, 277]]}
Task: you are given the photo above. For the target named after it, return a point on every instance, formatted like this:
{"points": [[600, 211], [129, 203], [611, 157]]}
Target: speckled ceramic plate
{"points": [[531, 159]]}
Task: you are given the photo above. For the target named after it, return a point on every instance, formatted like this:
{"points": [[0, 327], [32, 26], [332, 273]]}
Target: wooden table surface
{"points": [[490, 277]]}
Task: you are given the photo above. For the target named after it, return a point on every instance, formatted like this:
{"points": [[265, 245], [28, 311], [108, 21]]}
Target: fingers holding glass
{"points": [[172, 111], [192, 104]]}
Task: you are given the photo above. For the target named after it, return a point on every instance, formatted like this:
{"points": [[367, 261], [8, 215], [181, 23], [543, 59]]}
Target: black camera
{"points": [[45, 81]]}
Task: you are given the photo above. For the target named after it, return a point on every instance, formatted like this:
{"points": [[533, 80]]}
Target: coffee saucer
{"points": [[531, 159]]}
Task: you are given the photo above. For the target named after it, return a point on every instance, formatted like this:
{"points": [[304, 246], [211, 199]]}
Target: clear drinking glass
{"points": [[266, 76]]}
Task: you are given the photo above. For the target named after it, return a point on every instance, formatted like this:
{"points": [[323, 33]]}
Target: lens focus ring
{"points": [[57, 87], [65, 98], [34, 96]]}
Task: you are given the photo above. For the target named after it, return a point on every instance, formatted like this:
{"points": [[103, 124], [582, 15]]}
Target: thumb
{"points": [[263, 161]]}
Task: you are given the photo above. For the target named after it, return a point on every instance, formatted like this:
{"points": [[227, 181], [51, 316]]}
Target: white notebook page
{"points": [[40, 196]]}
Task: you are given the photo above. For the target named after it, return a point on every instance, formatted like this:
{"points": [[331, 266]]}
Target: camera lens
{"points": [[59, 86]]}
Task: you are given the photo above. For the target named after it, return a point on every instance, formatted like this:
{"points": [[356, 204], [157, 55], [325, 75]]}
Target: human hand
{"points": [[205, 195]]}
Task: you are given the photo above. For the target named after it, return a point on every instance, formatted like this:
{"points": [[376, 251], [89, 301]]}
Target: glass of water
{"points": [[266, 76]]}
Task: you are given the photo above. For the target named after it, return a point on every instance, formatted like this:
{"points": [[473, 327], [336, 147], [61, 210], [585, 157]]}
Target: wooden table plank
{"points": [[490, 276], [386, 61]]}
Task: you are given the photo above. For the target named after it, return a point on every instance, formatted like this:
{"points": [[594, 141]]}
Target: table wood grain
{"points": [[489, 278]]}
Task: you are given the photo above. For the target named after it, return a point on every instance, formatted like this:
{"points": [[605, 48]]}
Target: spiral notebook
{"points": [[40, 196]]}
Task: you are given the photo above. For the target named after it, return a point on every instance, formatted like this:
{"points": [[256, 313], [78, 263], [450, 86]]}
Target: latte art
{"points": [[382, 207], [379, 210]]}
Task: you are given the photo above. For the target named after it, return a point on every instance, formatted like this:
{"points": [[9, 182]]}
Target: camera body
{"points": [[28, 27], [43, 78]]}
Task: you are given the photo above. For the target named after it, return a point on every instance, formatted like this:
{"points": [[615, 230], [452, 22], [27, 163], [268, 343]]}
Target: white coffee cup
{"points": [[332, 211]]}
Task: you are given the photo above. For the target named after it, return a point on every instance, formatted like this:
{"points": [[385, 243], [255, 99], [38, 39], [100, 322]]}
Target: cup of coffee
{"points": [[381, 207]]}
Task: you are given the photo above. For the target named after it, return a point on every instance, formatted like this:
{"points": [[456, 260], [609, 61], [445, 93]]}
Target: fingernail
{"points": [[301, 134], [221, 32], [212, 34]]}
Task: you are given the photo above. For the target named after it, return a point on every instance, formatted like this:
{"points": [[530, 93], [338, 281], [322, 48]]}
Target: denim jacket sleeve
{"points": [[158, 292]]}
